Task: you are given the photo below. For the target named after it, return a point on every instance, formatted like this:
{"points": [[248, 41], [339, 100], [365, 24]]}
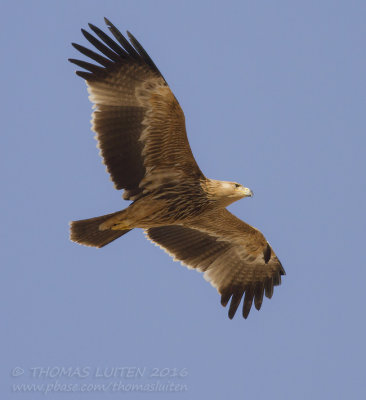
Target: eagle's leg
{"points": [[118, 222], [121, 226]]}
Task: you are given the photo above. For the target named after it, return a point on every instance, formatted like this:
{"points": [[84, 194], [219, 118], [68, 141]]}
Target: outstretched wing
{"points": [[139, 124], [235, 257]]}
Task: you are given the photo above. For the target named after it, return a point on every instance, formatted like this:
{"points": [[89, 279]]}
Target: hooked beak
{"points": [[247, 192]]}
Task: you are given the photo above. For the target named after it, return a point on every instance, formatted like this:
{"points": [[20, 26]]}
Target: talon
{"points": [[120, 227]]}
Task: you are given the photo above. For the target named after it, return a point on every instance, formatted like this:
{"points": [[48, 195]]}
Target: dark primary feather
{"points": [[237, 294], [258, 295], [248, 300]]}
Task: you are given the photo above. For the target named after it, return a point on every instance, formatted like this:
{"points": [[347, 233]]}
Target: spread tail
{"points": [[86, 231]]}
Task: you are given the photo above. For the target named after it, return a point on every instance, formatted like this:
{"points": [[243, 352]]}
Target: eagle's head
{"points": [[227, 192]]}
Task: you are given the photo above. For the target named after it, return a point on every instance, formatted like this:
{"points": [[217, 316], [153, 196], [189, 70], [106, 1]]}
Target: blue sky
{"points": [[274, 98]]}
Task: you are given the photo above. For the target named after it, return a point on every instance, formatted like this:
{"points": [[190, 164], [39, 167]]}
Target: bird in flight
{"points": [[141, 134]]}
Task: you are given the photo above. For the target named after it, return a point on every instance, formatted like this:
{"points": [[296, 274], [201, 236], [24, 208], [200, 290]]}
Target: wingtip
{"points": [[73, 61], [87, 76], [282, 270], [225, 299], [84, 33], [130, 36]]}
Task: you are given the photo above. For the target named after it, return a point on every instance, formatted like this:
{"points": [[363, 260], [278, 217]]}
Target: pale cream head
{"points": [[227, 192]]}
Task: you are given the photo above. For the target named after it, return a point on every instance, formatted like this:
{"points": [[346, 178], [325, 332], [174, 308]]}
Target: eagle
{"points": [[141, 134]]}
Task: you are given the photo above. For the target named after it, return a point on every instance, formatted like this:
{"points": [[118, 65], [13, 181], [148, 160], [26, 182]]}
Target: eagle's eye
{"points": [[237, 185]]}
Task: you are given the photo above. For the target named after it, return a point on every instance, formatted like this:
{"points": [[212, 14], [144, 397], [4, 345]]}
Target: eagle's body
{"points": [[140, 129], [177, 202]]}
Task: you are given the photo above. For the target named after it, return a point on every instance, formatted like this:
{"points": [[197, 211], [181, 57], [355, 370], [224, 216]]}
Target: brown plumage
{"points": [[140, 129]]}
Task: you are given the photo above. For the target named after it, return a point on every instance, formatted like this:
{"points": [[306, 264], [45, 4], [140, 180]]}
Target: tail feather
{"points": [[86, 231]]}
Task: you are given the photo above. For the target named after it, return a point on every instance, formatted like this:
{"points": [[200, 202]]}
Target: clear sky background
{"points": [[274, 98]]}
